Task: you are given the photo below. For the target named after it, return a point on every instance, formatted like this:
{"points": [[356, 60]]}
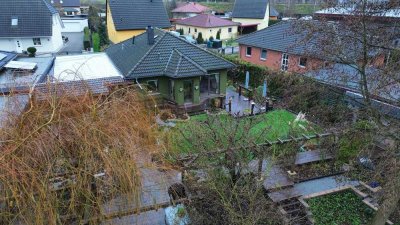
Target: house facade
{"points": [[68, 7], [126, 18], [30, 23], [253, 15], [171, 67], [189, 9], [208, 25], [270, 47]]}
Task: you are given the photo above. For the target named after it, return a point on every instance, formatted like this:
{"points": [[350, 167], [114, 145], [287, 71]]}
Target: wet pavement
{"points": [[241, 106]]}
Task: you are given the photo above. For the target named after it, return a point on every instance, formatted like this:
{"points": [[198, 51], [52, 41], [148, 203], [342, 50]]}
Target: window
{"points": [[248, 51], [303, 62], [189, 30], [230, 29], [36, 41], [152, 85], [14, 21], [285, 62], [263, 55], [195, 30]]}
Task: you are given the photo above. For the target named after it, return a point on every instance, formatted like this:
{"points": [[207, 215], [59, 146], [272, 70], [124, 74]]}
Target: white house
{"points": [[30, 23]]}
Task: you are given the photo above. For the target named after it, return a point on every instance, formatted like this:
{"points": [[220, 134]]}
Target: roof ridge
{"points": [[147, 53], [169, 60], [191, 61], [178, 65]]}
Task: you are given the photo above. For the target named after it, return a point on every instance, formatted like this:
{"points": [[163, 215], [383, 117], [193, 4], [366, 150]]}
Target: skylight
{"points": [[14, 21]]}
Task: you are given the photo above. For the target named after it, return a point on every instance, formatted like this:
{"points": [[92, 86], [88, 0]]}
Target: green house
{"points": [[176, 69]]}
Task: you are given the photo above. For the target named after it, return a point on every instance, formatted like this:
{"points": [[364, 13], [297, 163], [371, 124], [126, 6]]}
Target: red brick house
{"points": [[275, 48]]}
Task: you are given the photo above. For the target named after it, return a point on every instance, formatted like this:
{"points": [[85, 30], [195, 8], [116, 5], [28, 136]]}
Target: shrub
{"points": [[200, 39], [86, 38], [219, 35], [211, 38], [96, 42], [180, 31], [32, 51]]}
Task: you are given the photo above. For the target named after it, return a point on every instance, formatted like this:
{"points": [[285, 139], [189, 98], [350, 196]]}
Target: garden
{"points": [[344, 207]]}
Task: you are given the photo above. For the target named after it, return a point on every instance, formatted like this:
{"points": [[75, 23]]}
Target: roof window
{"points": [[14, 21]]}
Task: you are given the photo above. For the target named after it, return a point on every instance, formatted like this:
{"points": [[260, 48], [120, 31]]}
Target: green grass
{"points": [[343, 207], [214, 130], [304, 9], [96, 42]]}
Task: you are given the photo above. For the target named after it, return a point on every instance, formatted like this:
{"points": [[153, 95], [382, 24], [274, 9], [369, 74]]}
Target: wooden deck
{"points": [[312, 156]]}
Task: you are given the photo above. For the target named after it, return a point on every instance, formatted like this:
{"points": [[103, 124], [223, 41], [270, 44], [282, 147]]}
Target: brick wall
{"points": [[274, 60]]}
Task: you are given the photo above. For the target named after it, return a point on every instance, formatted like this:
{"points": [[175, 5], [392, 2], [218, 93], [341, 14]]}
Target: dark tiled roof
{"points": [[34, 18], [206, 20], [254, 9], [169, 56], [138, 14], [273, 11], [68, 3], [278, 37], [97, 86]]}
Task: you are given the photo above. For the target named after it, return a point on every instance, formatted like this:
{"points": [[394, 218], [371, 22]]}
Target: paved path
{"points": [[74, 44], [240, 106]]}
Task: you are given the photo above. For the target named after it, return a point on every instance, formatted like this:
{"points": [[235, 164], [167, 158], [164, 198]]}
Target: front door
{"points": [[188, 91], [19, 46]]}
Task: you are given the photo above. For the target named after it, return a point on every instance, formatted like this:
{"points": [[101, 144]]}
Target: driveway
{"points": [[74, 44]]}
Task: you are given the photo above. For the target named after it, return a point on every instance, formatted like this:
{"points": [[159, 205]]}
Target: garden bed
{"points": [[342, 206]]}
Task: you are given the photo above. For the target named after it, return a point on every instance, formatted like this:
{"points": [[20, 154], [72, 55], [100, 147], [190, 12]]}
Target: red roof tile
{"points": [[206, 20], [190, 7]]}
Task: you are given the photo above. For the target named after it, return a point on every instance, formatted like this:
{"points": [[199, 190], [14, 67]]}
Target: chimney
{"points": [[150, 35]]}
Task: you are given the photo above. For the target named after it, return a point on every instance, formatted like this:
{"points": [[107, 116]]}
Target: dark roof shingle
{"points": [[169, 56], [34, 18], [253, 9], [206, 20], [138, 14]]}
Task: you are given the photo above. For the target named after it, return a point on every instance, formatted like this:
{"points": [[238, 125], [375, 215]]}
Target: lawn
{"points": [[343, 207], [217, 128]]}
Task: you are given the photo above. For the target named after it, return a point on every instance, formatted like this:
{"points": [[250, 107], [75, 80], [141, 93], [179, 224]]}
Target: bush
{"points": [[200, 39], [211, 38], [219, 35], [86, 38], [96, 42], [180, 31], [32, 51]]}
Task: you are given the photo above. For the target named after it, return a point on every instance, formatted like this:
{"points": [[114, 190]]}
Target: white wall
{"points": [[74, 25], [48, 44]]}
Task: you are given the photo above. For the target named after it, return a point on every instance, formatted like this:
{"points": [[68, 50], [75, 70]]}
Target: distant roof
{"points": [[84, 67], [138, 14], [254, 9], [67, 3], [168, 56], [190, 7], [206, 20], [273, 11], [33, 18], [278, 37], [394, 13]]}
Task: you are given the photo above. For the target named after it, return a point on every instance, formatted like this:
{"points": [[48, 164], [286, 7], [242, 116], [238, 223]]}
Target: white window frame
{"points": [[300, 58], [251, 51], [37, 41], [261, 54], [285, 62]]}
